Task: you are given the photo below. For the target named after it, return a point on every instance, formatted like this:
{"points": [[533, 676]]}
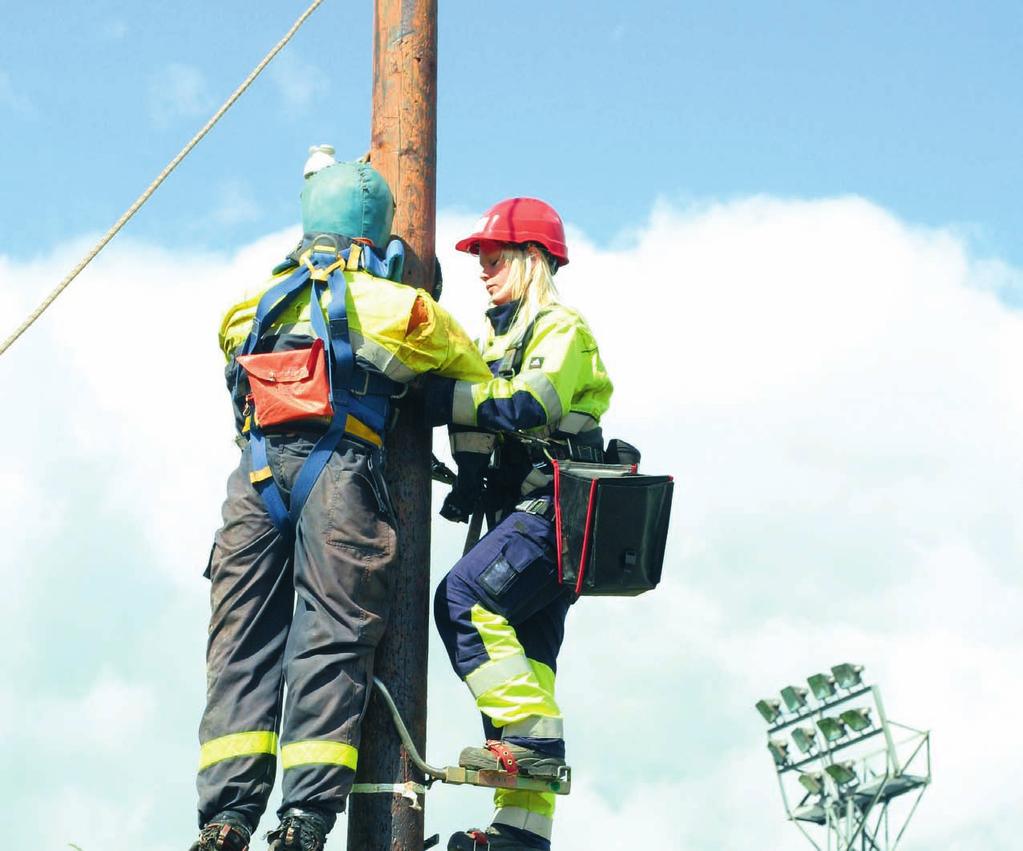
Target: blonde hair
{"points": [[532, 285]]}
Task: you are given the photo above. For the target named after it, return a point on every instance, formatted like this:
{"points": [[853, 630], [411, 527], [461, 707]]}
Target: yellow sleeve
{"points": [[443, 343], [561, 372], [403, 332]]}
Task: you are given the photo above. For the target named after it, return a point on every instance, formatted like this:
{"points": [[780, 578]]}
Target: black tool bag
{"points": [[612, 526]]}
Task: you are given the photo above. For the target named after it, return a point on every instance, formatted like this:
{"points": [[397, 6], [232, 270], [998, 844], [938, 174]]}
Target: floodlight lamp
{"points": [[822, 686], [805, 738], [813, 782], [832, 728], [848, 676], [843, 773], [770, 709], [779, 750], [857, 720], [794, 697]]}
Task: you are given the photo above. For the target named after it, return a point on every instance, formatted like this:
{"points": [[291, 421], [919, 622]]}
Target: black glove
{"points": [[466, 494]]}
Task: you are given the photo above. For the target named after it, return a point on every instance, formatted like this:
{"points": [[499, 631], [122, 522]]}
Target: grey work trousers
{"points": [[306, 614]]}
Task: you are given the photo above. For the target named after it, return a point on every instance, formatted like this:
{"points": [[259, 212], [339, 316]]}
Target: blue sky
{"points": [[915, 106], [803, 216]]}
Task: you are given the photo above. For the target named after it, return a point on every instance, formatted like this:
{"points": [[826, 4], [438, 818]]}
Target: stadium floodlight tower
{"points": [[850, 763]]}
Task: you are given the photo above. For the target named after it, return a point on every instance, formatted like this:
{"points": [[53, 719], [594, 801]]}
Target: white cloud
{"points": [[1000, 278], [88, 819], [178, 91], [836, 392], [111, 719], [299, 83]]}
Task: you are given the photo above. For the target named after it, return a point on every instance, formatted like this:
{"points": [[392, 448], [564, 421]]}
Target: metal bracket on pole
{"points": [[410, 791]]}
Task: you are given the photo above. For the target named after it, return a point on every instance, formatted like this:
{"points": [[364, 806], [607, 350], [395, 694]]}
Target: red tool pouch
{"points": [[289, 385]]}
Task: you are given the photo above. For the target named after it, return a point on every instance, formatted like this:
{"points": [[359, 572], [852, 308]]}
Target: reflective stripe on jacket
{"points": [[561, 373], [398, 329]]}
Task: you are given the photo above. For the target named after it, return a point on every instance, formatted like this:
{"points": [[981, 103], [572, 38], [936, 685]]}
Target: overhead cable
{"points": [[160, 178]]}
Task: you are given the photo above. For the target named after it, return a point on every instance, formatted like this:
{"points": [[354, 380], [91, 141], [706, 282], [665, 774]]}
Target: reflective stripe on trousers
{"points": [[532, 811], [510, 688], [338, 569]]}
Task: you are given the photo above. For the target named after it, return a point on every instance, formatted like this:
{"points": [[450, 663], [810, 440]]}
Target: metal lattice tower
{"points": [[842, 764]]}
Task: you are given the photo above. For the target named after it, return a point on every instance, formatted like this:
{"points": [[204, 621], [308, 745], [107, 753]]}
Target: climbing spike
{"points": [[560, 785]]}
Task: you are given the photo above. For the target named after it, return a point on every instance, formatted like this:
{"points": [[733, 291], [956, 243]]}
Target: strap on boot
{"points": [[504, 756], [225, 841]]}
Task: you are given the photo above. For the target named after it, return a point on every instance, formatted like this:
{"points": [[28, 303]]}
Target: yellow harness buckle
{"points": [[261, 475], [324, 273], [354, 253]]}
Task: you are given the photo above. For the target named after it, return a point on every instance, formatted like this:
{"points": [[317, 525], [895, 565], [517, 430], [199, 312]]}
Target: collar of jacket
{"points": [[502, 315]]}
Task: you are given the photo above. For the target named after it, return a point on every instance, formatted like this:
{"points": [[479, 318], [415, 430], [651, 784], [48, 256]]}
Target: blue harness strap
{"points": [[262, 480], [339, 365], [370, 403]]}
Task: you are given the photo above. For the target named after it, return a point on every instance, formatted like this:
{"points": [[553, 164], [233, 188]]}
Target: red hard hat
{"points": [[520, 220]]}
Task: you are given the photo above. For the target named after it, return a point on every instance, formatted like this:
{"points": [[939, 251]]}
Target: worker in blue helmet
{"points": [[300, 570]]}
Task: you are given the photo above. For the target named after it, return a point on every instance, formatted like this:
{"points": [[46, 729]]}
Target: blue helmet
{"points": [[351, 199]]}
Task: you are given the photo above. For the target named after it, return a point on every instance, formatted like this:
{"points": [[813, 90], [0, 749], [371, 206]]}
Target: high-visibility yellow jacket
{"points": [[399, 330], [560, 385]]}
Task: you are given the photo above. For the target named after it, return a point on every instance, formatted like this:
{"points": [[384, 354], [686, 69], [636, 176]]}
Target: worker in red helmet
{"points": [[501, 609]]}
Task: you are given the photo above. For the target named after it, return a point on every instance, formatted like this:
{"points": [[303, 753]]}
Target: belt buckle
{"points": [[534, 506]]}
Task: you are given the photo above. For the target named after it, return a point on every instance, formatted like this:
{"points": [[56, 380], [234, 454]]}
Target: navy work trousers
{"points": [[305, 614], [505, 591]]}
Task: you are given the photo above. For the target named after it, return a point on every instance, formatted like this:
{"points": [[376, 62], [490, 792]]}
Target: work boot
{"points": [[491, 839], [222, 836], [504, 756], [300, 830]]}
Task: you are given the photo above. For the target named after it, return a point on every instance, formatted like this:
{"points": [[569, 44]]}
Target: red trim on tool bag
{"points": [[590, 505], [504, 756], [557, 514], [479, 838]]}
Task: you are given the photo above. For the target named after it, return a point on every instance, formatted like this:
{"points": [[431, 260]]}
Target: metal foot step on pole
{"points": [[456, 775]]}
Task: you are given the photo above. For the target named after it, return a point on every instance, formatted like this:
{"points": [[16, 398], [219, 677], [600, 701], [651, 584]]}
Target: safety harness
{"points": [[511, 361], [354, 390]]}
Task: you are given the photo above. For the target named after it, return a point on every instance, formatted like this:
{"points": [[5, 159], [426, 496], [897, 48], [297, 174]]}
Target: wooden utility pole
{"points": [[404, 151]]}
